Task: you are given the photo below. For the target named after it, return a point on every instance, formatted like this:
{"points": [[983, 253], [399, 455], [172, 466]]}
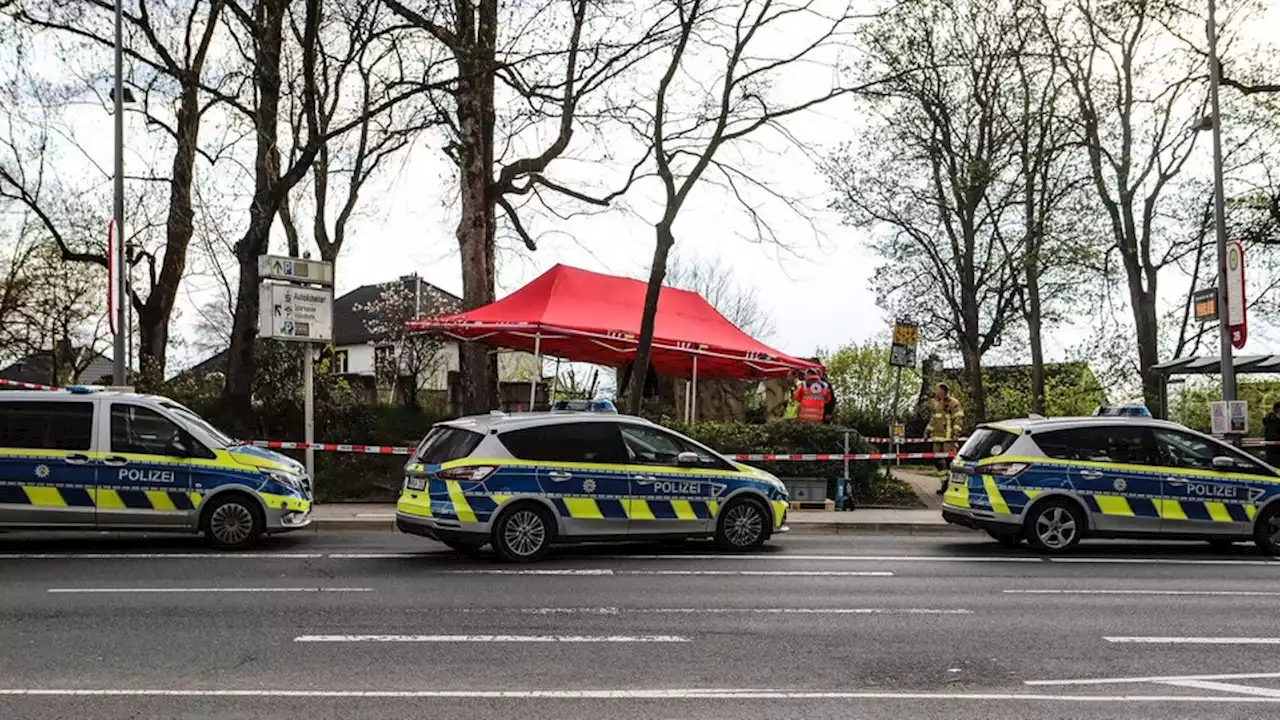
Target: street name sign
{"points": [[313, 272], [291, 312]]}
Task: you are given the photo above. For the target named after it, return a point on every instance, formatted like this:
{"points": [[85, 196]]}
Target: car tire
{"points": [[742, 526], [1006, 539], [1054, 526], [524, 533], [233, 522], [1266, 532]]}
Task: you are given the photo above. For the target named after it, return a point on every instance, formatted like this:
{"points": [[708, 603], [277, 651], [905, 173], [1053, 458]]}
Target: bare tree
{"points": [[404, 361], [552, 58], [936, 177], [714, 281], [1137, 94], [713, 93], [169, 46]]}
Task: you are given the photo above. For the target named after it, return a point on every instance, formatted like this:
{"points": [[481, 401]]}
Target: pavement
{"points": [[370, 624], [328, 517]]}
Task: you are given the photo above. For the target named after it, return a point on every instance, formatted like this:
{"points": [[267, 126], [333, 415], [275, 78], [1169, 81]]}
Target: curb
{"points": [[881, 528]]}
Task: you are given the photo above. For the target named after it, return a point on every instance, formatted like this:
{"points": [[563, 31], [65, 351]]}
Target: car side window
{"points": [[591, 442], [652, 446], [1120, 444], [140, 430], [1183, 450], [41, 425]]}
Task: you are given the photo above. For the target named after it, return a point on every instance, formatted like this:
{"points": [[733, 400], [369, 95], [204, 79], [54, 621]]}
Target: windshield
{"points": [[222, 438]]}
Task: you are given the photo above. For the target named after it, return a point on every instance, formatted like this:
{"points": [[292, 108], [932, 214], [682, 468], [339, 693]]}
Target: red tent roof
{"points": [[589, 317]]}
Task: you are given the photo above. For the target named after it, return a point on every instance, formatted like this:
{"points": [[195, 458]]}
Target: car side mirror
{"points": [[688, 458], [1223, 462]]}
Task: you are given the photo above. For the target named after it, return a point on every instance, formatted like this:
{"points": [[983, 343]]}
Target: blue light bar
{"points": [[603, 406]]}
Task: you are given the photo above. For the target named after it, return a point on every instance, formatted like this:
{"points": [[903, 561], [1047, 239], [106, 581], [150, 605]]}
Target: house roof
{"points": [[350, 317], [38, 368]]}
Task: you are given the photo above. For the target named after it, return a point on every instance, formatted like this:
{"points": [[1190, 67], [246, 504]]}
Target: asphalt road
{"points": [[376, 625]]}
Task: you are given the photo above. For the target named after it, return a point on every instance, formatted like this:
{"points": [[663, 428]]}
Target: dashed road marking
{"points": [[1195, 640], [1223, 593], [1224, 687], [740, 573], [712, 611], [1154, 679]]}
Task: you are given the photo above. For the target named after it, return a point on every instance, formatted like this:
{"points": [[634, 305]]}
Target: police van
{"points": [[1054, 482], [94, 459], [527, 481]]}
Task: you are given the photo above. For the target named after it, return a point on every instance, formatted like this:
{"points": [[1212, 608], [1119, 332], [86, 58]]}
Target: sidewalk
{"points": [[376, 516]]}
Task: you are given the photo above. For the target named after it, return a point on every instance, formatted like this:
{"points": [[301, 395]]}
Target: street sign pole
{"points": [[309, 407], [119, 372], [1219, 211]]}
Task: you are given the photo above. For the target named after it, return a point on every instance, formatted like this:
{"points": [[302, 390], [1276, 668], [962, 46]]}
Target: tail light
{"points": [[468, 473], [1008, 469]]}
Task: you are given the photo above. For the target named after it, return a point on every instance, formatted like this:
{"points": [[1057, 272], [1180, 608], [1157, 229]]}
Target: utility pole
{"points": [[119, 377], [1219, 211]]}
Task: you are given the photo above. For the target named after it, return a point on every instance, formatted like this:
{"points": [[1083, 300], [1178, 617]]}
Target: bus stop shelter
{"points": [[1211, 365], [582, 316]]}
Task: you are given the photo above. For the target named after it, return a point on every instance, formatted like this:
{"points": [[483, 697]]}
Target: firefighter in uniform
{"points": [[812, 397], [946, 418]]}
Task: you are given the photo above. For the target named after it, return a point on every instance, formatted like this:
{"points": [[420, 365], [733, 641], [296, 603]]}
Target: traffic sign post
{"points": [[298, 307]]}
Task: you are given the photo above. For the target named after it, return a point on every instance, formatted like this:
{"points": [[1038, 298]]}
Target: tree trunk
{"points": [[1034, 337], [154, 316], [1147, 327], [657, 272], [977, 410], [237, 395], [476, 227]]}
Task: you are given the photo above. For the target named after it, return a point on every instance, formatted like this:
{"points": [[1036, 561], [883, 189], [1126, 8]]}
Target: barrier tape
{"points": [[334, 447], [810, 457], [26, 385]]}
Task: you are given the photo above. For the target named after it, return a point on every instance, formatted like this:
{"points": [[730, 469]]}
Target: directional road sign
{"points": [[290, 312], [277, 267]]}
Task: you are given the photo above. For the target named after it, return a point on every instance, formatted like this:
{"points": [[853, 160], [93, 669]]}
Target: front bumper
{"points": [[286, 520], [443, 530]]}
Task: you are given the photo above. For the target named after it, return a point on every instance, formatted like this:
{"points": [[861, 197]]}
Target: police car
{"points": [[1054, 482], [86, 459], [528, 481]]}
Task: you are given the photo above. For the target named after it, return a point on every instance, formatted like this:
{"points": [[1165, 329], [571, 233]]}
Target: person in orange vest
{"points": [[812, 397]]}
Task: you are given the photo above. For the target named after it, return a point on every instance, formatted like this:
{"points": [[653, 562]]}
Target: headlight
{"points": [[287, 479]]}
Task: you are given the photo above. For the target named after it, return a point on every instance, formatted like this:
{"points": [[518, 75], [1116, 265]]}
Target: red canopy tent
{"points": [[584, 316]]}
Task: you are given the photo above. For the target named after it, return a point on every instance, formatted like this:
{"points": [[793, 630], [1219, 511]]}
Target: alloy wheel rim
{"points": [[525, 533], [743, 525], [231, 523], [1056, 528], [1273, 531]]}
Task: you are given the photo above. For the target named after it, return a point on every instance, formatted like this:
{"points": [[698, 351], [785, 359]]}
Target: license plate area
{"points": [[958, 478]]}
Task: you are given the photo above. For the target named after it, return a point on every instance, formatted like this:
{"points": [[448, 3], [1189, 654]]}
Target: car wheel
{"points": [[1054, 526], [523, 533], [742, 526], [1266, 533], [233, 523], [1006, 539]]}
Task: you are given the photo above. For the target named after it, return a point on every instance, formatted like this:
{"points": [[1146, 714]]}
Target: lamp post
{"points": [[118, 290], [1219, 211]]}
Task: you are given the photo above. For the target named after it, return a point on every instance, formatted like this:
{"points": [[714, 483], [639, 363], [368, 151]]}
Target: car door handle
{"points": [[115, 461], [559, 476], [77, 459], [644, 479], [1176, 481], [1090, 474]]}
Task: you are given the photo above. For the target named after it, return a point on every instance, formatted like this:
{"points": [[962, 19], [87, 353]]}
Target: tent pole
{"points": [[688, 394], [555, 381], [693, 397], [537, 370]]}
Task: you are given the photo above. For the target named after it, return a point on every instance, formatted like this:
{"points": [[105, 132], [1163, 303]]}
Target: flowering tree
{"points": [[405, 362]]}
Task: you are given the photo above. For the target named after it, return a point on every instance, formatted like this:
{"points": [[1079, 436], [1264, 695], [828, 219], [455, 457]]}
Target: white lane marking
{"points": [[1194, 640], [160, 556], [491, 638], [1154, 679], [692, 694], [1225, 687], [1223, 593], [743, 573], [382, 556], [714, 611], [70, 591]]}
